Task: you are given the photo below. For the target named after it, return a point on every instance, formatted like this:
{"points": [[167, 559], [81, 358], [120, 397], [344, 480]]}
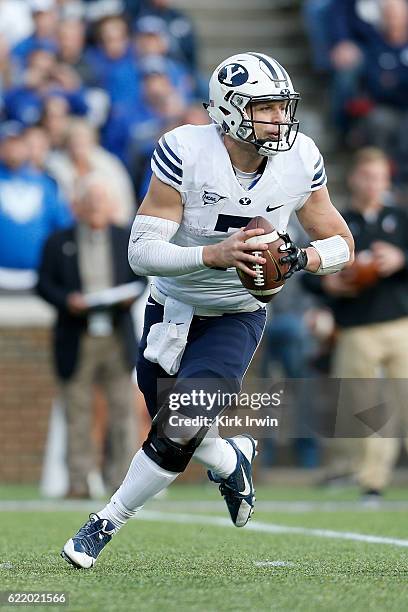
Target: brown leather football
{"points": [[269, 279], [363, 273]]}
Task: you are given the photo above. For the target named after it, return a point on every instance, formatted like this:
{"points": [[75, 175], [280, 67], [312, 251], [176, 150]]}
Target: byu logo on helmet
{"points": [[233, 75]]}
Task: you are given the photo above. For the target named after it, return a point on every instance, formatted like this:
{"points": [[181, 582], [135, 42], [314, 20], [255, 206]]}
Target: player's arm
{"points": [[325, 225], [162, 201], [333, 246], [151, 251]]}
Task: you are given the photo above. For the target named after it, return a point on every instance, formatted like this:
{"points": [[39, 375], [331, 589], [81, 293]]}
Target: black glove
{"points": [[294, 255]]}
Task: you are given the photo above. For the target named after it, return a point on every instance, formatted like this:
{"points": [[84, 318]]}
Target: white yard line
{"points": [[149, 515], [199, 519]]}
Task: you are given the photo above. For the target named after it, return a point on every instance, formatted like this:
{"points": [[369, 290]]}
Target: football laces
{"points": [[259, 280]]}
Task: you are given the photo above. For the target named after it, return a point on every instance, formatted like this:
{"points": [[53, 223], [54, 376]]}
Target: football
{"points": [[269, 276], [363, 273]]}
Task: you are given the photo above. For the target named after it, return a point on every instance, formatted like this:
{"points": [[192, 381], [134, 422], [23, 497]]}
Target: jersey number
{"points": [[226, 222]]}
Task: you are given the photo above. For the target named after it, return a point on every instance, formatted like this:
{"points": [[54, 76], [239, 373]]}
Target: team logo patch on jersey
{"points": [[210, 198], [233, 75], [245, 201]]}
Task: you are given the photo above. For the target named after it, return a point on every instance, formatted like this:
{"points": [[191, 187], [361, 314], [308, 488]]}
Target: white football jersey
{"points": [[194, 160]]}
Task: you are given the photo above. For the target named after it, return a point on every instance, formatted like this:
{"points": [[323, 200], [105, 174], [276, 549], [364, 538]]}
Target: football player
{"points": [[200, 323]]}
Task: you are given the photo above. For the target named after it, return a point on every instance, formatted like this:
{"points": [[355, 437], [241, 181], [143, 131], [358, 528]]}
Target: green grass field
{"points": [[175, 558]]}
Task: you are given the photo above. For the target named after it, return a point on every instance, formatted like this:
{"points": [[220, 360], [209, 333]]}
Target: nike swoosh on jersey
{"points": [[247, 488], [271, 208]]}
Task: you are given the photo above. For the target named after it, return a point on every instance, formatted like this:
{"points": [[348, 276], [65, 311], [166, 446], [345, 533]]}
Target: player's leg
{"points": [[216, 454], [221, 351]]}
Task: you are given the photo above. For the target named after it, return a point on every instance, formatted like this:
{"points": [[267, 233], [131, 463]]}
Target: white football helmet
{"points": [[247, 78]]}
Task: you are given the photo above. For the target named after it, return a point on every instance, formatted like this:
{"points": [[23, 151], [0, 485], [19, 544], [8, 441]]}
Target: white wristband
{"points": [[334, 253], [151, 253]]}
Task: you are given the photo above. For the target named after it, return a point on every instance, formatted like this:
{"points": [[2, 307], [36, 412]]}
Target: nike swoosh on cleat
{"points": [[271, 208], [247, 488]]}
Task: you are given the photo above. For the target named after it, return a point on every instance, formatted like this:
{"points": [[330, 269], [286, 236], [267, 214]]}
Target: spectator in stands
{"points": [[368, 55], [161, 110], [71, 48], [371, 313], [71, 41], [112, 60], [84, 156], [352, 24], [316, 15], [55, 119], [183, 41], [38, 148], [91, 257], [29, 209], [151, 39], [44, 77], [44, 16], [23, 102], [386, 84], [115, 70]]}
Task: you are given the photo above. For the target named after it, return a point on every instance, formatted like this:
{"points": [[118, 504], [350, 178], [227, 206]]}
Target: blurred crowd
{"points": [[86, 87], [361, 46]]}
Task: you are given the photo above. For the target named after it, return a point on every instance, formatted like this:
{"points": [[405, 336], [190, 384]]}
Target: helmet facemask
{"points": [[287, 130]]}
